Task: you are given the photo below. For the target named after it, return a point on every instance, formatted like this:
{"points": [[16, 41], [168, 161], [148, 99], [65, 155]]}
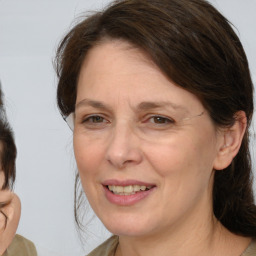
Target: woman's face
{"points": [[145, 148]]}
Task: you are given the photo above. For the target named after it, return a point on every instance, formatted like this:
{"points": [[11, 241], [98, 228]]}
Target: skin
{"points": [[177, 153], [12, 211]]}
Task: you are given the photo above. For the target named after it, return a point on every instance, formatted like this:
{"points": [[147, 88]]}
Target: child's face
{"points": [[12, 211]]}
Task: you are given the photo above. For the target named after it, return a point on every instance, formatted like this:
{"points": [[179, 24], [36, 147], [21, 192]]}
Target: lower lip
{"points": [[128, 200]]}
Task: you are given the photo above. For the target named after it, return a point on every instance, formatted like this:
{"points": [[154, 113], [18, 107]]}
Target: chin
{"points": [[127, 231], [128, 227]]}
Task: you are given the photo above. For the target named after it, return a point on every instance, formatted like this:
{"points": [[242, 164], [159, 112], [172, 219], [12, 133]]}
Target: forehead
{"points": [[117, 70], [115, 56]]}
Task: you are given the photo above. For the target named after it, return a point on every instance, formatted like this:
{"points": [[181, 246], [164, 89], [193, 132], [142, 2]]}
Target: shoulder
{"points": [[107, 248], [251, 250], [21, 246]]}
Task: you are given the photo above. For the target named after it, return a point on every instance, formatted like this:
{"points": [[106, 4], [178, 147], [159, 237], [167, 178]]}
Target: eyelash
{"points": [[163, 120], [93, 117]]}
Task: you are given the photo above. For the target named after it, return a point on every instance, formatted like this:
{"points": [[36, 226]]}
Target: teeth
{"points": [[128, 190], [136, 188], [143, 188]]}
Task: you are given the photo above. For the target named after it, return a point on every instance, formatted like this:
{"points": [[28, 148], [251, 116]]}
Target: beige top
{"points": [[21, 246], [251, 250], [108, 248]]}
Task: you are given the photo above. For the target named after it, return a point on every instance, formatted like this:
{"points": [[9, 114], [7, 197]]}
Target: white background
{"points": [[29, 33]]}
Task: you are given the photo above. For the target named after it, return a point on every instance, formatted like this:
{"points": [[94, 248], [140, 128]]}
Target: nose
{"points": [[124, 148]]}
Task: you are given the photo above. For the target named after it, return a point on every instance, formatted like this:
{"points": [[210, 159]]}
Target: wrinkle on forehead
{"points": [[142, 106]]}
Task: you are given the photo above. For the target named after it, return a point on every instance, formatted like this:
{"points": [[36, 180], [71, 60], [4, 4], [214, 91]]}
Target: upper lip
{"points": [[114, 182]]}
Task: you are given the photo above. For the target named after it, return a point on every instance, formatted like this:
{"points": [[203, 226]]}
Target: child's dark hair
{"points": [[8, 150]]}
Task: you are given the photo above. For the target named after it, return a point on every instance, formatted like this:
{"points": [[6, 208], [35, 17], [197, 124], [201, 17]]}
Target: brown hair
{"points": [[196, 47], [7, 154], [8, 149]]}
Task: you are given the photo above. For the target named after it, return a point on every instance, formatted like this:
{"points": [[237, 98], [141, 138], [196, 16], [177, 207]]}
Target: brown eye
{"points": [[94, 122], [160, 120], [97, 119]]}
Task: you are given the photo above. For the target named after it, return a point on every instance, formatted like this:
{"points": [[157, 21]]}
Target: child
{"points": [[10, 206]]}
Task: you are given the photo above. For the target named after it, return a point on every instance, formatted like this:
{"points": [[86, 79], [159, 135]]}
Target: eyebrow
{"points": [[143, 106], [147, 105], [91, 103]]}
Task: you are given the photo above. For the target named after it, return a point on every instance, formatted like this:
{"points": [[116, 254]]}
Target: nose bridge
{"points": [[124, 146]]}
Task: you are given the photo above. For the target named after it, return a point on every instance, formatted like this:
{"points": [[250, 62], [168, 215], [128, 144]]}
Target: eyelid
{"points": [[168, 119], [87, 117]]}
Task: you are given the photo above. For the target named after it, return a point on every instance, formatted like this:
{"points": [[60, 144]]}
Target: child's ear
{"points": [[231, 141]]}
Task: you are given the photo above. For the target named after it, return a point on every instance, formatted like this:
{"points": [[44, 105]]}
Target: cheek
{"points": [[88, 156], [185, 168], [182, 157], [164, 158]]}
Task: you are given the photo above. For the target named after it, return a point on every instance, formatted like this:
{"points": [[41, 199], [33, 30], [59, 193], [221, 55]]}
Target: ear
{"points": [[231, 139]]}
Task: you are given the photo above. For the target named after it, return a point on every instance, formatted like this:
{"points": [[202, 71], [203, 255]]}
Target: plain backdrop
{"points": [[29, 34]]}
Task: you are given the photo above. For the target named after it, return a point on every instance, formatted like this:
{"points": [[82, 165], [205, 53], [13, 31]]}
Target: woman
{"points": [[160, 98], [10, 207]]}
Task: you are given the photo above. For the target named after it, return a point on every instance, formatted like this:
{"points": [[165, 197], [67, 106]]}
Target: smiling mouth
{"points": [[128, 190]]}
